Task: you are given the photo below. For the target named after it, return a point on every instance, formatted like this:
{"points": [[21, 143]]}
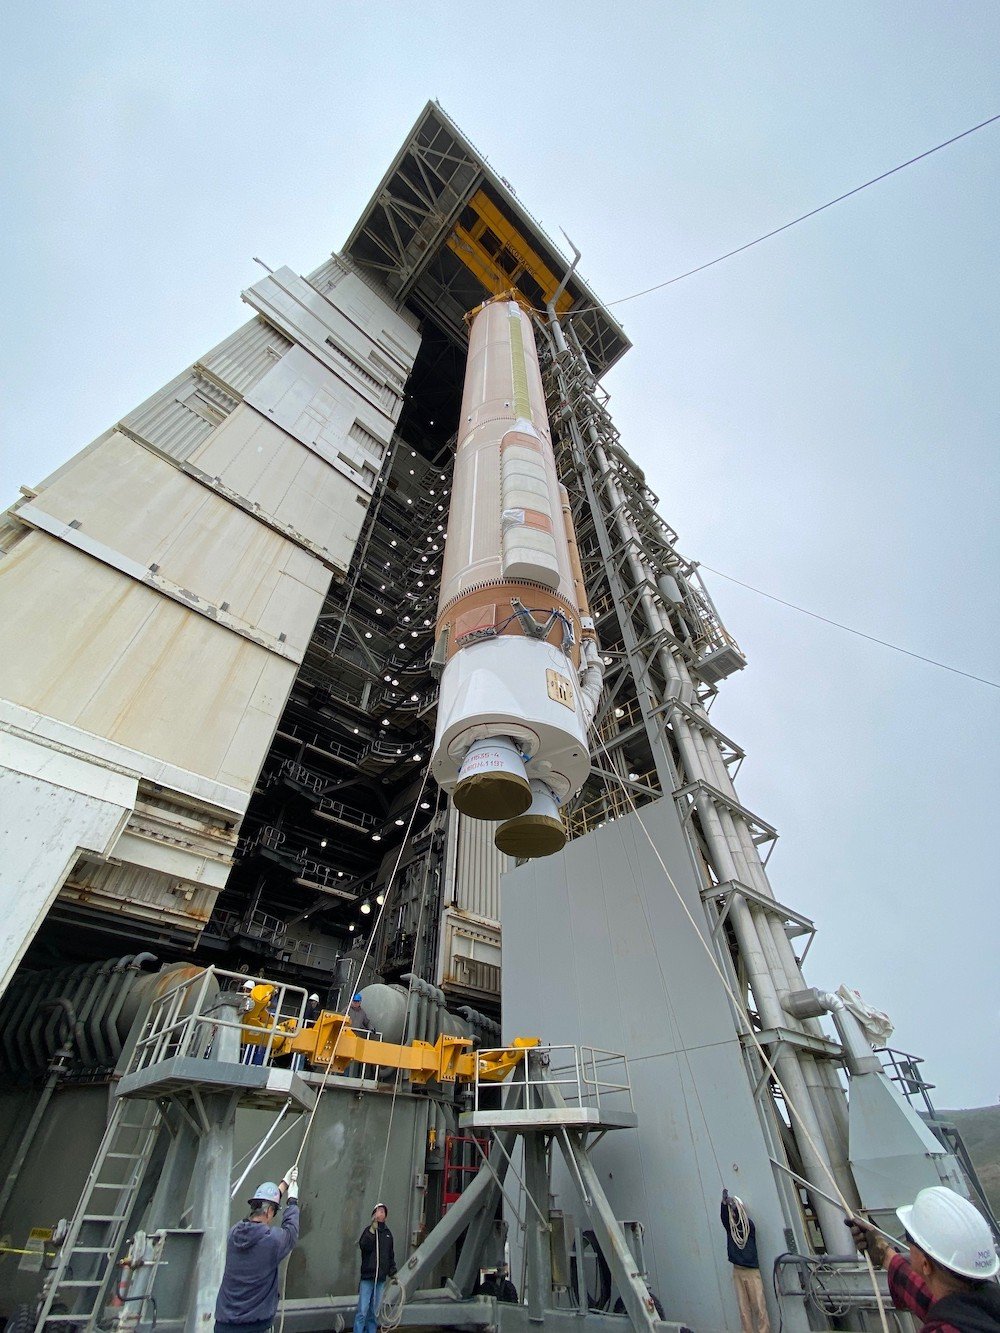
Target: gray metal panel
{"points": [[478, 867], [316, 408], [597, 950], [179, 417], [247, 355], [469, 945]]}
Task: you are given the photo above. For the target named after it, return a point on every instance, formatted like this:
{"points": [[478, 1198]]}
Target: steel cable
{"points": [[748, 1028]]}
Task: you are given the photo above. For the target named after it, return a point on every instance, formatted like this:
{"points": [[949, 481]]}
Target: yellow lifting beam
{"points": [[332, 1043], [492, 248]]}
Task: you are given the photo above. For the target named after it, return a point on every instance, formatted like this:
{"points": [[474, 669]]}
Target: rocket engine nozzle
{"points": [[491, 782]]}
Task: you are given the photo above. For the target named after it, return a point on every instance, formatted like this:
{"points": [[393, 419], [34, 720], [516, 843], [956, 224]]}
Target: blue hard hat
{"points": [[266, 1193], [358, 997]]}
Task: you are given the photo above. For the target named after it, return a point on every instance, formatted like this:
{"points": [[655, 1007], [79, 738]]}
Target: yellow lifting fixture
{"points": [[331, 1042]]}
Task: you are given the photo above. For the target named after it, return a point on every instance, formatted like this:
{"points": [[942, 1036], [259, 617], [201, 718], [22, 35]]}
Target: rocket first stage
{"points": [[522, 673]]}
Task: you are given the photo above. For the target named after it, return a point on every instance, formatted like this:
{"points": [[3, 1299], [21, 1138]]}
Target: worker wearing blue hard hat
{"points": [[356, 1015], [248, 1297]]}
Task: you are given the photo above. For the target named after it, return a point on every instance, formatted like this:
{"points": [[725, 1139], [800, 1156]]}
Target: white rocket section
{"points": [[513, 688]]}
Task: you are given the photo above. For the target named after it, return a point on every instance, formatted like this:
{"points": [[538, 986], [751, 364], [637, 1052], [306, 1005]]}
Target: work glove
{"points": [[867, 1239], [292, 1181]]}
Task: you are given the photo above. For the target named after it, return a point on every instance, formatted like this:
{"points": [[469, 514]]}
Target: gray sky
{"points": [[819, 416]]}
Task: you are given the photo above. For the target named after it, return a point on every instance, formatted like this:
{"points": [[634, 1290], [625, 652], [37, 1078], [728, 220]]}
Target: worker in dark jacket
{"points": [[741, 1248], [248, 1297], [496, 1282], [947, 1280], [378, 1263]]}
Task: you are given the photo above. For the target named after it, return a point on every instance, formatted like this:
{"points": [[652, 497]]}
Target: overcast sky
{"points": [[819, 416]]}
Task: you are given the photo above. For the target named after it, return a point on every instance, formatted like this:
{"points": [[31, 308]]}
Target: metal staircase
{"points": [[78, 1286]]}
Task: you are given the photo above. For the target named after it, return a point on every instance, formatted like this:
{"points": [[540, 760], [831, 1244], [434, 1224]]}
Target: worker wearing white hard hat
{"points": [[248, 1298], [947, 1281]]}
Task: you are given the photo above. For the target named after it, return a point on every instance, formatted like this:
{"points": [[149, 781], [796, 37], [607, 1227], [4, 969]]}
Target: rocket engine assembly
{"points": [[521, 670]]}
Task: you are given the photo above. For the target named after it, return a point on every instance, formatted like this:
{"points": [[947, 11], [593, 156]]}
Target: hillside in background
{"points": [[980, 1128]]}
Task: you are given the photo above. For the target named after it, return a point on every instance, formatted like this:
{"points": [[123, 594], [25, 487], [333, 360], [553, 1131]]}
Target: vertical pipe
{"points": [[733, 854]]}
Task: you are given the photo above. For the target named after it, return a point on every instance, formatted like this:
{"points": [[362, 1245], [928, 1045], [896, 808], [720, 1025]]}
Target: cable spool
{"points": [[739, 1223]]}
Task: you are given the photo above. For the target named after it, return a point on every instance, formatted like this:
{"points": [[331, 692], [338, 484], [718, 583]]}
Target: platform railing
{"points": [[187, 1019], [586, 1076]]}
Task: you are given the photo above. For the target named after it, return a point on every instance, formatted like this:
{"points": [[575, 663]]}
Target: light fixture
{"points": [[380, 898], [351, 927], [378, 610], [400, 822], [368, 633], [376, 837], [355, 731], [340, 874], [366, 907], [323, 843]]}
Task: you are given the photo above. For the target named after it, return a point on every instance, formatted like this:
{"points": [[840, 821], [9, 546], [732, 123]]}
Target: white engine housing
{"points": [[518, 687]]}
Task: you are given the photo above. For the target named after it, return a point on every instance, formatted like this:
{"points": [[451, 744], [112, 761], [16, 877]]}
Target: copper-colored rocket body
{"points": [[509, 623]]}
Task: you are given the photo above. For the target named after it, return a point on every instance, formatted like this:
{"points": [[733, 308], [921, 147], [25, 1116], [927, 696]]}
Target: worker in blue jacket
{"points": [[248, 1298]]}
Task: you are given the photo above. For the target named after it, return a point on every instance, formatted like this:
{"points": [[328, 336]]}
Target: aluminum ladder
{"points": [[85, 1268]]}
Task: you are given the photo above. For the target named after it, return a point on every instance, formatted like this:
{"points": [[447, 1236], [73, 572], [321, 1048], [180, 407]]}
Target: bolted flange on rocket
{"points": [[521, 670]]}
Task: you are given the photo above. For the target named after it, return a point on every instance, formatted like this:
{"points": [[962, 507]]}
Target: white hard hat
{"points": [[266, 1193], [951, 1231], [315, 997], [249, 985]]}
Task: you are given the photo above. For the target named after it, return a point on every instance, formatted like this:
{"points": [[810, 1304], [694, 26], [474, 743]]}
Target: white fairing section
{"points": [[505, 687]]}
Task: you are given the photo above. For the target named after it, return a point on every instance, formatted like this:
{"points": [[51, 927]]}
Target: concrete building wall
{"points": [[162, 586]]}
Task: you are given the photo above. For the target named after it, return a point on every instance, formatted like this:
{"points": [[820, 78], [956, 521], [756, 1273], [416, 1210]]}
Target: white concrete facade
{"points": [[161, 589]]}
